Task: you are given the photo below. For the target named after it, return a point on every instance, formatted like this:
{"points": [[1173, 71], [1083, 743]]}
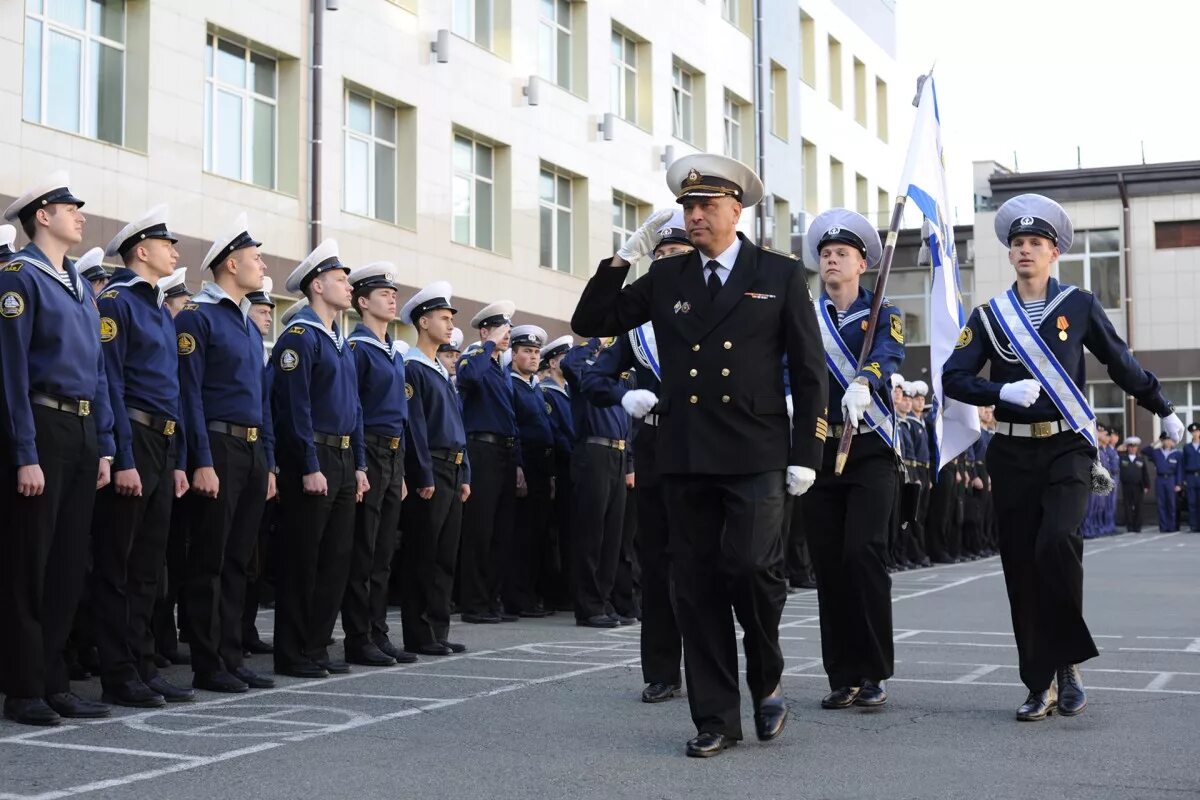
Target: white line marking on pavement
{"points": [[94, 748], [1158, 682], [908, 635], [402, 697], [446, 675], [977, 673]]}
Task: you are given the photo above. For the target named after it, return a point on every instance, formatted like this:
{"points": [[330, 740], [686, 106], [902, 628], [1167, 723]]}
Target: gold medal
{"points": [[1062, 335], [1062, 324]]}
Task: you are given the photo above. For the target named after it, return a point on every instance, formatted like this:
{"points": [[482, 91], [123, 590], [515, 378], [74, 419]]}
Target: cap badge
{"points": [[693, 177], [834, 231], [1026, 220]]}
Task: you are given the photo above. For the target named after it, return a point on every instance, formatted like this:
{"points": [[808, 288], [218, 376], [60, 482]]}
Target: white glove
{"points": [[1022, 393], [800, 480], [787, 398], [646, 238], [1173, 426], [638, 402], [856, 400]]}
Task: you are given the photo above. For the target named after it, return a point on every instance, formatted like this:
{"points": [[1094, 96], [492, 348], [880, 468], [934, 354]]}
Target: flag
{"points": [[923, 182]]}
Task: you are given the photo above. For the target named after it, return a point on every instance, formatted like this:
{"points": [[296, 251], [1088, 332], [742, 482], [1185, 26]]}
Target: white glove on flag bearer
{"points": [[856, 401], [1022, 393], [638, 402], [800, 480], [1173, 427], [646, 238]]}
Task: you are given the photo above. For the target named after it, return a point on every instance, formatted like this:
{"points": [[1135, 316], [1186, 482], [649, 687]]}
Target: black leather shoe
{"points": [[435, 649], [455, 647], [258, 647], [842, 697], [170, 692], [303, 669], [707, 745], [401, 656], [770, 716], [253, 679], [534, 613], [1071, 697], [369, 656], [504, 616], [334, 667], [30, 711], [871, 695], [220, 681], [623, 620], [660, 692], [480, 619], [75, 707], [598, 621], [1038, 705], [132, 694]]}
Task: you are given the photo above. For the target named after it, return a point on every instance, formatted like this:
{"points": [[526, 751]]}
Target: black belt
{"points": [[237, 431], [390, 442], [163, 425], [615, 444], [332, 440], [493, 438], [80, 408], [453, 456]]}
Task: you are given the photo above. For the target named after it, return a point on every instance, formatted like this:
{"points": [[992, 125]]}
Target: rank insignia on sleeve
{"points": [[12, 305], [109, 295], [296, 329], [14, 267], [964, 339], [288, 360], [108, 329], [187, 344], [874, 369], [624, 376], [822, 428], [408, 391], [898, 328]]}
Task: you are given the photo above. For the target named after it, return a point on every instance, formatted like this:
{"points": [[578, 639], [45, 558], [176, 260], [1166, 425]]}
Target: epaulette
{"points": [[299, 329], [783, 253], [109, 295], [191, 306]]}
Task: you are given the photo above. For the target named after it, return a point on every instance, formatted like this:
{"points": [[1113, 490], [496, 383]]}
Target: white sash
{"points": [[645, 348], [844, 367], [1038, 358]]}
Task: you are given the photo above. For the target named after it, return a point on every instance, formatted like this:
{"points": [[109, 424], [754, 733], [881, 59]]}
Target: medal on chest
{"points": [[1062, 324]]}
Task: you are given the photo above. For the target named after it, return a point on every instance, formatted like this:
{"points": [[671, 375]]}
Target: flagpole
{"points": [[885, 268]]}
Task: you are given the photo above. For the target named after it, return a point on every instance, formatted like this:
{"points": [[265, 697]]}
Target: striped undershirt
{"points": [[1035, 309]]}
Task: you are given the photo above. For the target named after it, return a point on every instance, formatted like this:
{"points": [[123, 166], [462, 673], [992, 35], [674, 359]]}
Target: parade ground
{"points": [[542, 708]]}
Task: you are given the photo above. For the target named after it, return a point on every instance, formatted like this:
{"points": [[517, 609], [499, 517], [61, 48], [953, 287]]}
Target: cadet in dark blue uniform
{"points": [[230, 453], [1041, 460], [56, 446], [322, 464], [495, 458], [553, 386], [1166, 481], [380, 369], [439, 473], [1135, 483], [133, 514], [1189, 478], [91, 268], [846, 516], [8, 235]]}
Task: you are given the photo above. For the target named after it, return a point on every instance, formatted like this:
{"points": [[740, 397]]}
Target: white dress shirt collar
{"points": [[725, 260]]}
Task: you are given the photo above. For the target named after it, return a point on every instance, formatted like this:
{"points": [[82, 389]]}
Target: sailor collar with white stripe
{"points": [[416, 356], [124, 277], [32, 254], [211, 292], [307, 317], [550, 383], [362, 333], [849, 316], [1056, 293], [531, 381]]}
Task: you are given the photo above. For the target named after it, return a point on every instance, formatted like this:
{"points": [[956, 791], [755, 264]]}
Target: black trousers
{"points": [[797, 562], [941, 529], [1041, 489], [974, 508], [559, 581], [846, 518], [531, 544], [727, 559], [597, 517], [1131, 501], [167, 629], [259, 573], [376, 533], [128, 547], [925, 545], [43, 552], [910, 504], [428, 556], [223, 532], [661, 645], [487, 526], [316, 558]]}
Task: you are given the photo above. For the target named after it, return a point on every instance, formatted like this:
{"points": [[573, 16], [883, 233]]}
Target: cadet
{"points": [[449, 352], [495, 462], [724, 318], [8, 234], [92, 269], [1135, 483], [439, 471], [134, 513], [553, 386], [322, 465], [1189, 468], [175, 291], [846, 516], [1166, 481], [57, 452], [1042, 458], [380, 369], [230, 452]]}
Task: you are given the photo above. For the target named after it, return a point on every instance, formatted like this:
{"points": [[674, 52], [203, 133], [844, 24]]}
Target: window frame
{"points": [[473, 204], [731, 126], [556, 209], [249, 96], [372, 141], [627, 73], [1085, 259], [557, 27], [472, 37], [682, 94]]}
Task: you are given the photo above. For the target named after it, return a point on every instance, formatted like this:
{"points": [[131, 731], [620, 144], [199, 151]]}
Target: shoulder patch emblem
{"points": [[13, 267], [288, 360], [187, 344], [108, 329], [549, 409], [964, 338], [191, 306], [898, 328], [109, 295], [408, 391], [296, 329], [12, 305]]}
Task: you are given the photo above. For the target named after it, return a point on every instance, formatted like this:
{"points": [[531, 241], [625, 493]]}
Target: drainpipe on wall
{"points": [[1126, 252], [314, 112], [760, 128]]}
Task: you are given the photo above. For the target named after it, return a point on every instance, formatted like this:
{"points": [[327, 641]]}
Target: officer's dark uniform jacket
{"points": [[315, 391], [722, 407], [380, 369], [435, 422], [1085, 323], [219, 348], [140, 350], [887, 349], [50, 345], [1134, 472]]}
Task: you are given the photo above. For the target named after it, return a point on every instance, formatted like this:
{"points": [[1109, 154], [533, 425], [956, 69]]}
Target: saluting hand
{"points": [[363, 485], [644, 239], [314, 483], [128, 483], [30, 480], [103, 474]]}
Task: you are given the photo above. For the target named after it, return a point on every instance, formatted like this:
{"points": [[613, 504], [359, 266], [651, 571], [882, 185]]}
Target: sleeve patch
{"points": [[13, 267], [898, 328], [12, 305], [288, 360], [408, 391], [108, 329], [187, 344], [874, 369], [964, 338], [296, 329], [109, 295]]}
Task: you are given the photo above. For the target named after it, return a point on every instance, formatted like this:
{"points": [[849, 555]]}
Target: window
{"points": [[779, 101], [556, 218], [809, 175], [1181, 233], [730, 11], [860, 93], [733, 126], [884, 217], [781, 225], [370, 169], [554, 42], [881, 109], [1108, 401], [1185, 395], [808, 50], [627, 216], [240, 108], [75, 66], [624, 78], [862, 195], [474, 186], [473, 21], [682, 103], [1094, 263], [835, 72], [837, 183]]}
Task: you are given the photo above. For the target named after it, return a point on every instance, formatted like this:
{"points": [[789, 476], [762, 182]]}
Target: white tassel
{"points": [[1102, 482]]}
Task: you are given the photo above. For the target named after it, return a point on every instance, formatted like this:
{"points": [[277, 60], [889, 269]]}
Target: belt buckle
{"points": [[344, 442], [85, 408], [169, 428], [458, 458], [251, 434], [393, 443], [1041, 430], [620, 444]]}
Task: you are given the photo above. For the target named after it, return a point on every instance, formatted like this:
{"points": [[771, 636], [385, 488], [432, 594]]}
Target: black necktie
{"points": [[714, 282]]}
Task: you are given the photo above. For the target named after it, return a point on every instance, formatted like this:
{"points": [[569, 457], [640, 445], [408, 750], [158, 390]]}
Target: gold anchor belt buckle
{"points": [[251, 434], [85, 408], [1042, 430], [344, 443], [169, 428]]}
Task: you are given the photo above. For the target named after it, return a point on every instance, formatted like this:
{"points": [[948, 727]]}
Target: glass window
{"points": [[624, 77], [370, 169], [241, 109], [75, 67], [730, 11], [554, 42], [554, 214], [1094, 263], [682, 103], [473, 21], [733, 127], [1108, 401], [472, 193]]}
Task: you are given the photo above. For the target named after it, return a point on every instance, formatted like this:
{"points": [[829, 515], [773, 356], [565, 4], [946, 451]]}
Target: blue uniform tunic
{"points": [[486, 393], [558, 402], [50, 344], [219, 349], [380, 368], [434, 418], [611, 422], [532, 413], [140, 353], [887, 350], [1166, 466], [315, 390]]}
